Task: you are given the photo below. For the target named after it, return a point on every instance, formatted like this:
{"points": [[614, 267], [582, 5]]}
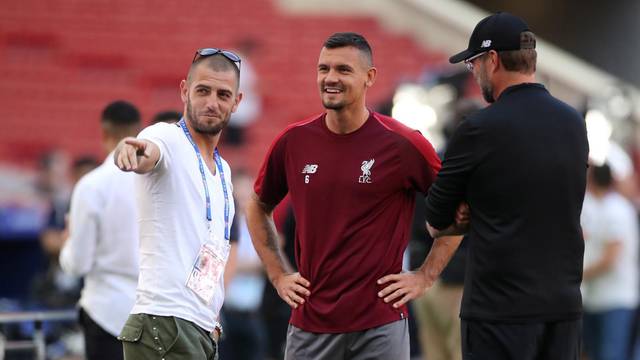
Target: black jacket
{"points": [[521, 166]]}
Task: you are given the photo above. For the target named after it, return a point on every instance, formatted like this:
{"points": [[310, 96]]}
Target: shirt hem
{"points": [[182, 316], [366, 326]]}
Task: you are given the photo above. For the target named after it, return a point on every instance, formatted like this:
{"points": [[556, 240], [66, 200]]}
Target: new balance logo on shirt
{"points": [[310, 169]]}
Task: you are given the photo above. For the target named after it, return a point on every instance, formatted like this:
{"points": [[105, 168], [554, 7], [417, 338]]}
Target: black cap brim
{"points": [[461, 56]]}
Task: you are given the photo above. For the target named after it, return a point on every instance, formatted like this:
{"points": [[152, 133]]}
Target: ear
{"points": [[371, 77], [494, 60], [184, 91], [237, 102]]}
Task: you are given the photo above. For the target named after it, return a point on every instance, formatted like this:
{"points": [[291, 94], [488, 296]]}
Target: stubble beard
{"points": [[203, 128], [336, 105], [485, 86], [333, 106]]}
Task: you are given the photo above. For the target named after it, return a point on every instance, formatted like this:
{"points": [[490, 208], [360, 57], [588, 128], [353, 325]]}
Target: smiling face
{"points": [[210, 97], [344, 74]]}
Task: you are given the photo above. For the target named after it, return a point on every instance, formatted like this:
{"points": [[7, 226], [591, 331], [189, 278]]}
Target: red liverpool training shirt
{"points": [[353, 198]]}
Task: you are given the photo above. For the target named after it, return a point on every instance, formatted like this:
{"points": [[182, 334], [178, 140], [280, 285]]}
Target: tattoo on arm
{"points": [[274, 257]]}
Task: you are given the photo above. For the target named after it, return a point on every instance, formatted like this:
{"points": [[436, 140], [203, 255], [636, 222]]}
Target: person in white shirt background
{"points": [[610, 279], [186, 208], [103, 240], [245, 332]]}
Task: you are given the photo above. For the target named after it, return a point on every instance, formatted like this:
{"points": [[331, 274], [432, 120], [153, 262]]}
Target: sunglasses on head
{"points": [[204, 52]]}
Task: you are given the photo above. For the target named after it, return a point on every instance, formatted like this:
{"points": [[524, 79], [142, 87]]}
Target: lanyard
{"points": [[216, 157]]}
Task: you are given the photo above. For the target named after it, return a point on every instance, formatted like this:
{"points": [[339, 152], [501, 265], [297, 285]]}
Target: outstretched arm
{"points": [[291, 287], [137, 155]]}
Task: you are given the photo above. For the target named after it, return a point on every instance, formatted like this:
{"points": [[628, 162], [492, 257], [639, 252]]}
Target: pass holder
{"points": [[208, 268]]}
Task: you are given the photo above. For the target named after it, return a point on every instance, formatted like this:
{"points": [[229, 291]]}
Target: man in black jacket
{"points": [[520, 165]]}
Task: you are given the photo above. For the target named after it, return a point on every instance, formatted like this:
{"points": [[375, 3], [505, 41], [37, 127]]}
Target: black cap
{"points": [[499, 31]]}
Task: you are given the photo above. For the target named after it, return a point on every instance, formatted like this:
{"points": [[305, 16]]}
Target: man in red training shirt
{"points": [[352, 175]]}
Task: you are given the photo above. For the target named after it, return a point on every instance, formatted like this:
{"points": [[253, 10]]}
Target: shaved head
{"points": [[217, 63]]}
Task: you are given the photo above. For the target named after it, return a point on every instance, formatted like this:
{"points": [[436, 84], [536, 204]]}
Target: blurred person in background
{"points": [[53, 186], [169, 116], [610, 286], [54, 235], [520, 165], [245, 337], [186, 209], [52, 182], [348, 171], [103, 240], [438, 311], [58, 289]]}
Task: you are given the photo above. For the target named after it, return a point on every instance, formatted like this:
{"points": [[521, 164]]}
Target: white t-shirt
{"points": [[611, 218], [103, 244], [173, 227]]}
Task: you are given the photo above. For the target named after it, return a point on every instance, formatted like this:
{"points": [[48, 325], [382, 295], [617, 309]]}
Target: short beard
{"points": [[487, 93], [201, 129], [333, 106], [485, 86]]}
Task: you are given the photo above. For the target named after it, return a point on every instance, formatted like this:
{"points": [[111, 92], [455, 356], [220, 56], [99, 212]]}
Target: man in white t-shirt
{"points": [[610, 285], [185, 213], [103, 240]]}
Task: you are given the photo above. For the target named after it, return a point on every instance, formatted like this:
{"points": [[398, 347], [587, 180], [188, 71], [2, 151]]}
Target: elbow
{"points": [[436, 221], [257, 206], [439, 216]]}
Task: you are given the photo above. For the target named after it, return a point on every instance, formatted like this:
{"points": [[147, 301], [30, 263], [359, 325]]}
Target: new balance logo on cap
{"points": [[310, 169], [499, 32]]}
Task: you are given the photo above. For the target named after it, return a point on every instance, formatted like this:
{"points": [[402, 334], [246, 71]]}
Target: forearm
{"points": [[441, 252], [599, 268], [265, 239], [453, 230], [592, 272], [52, 240]]}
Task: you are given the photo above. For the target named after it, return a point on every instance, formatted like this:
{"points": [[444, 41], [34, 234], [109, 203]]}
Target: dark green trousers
{"points": [[152, 337]]}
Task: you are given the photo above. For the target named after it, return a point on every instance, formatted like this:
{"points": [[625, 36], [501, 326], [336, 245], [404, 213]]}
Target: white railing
{"points": [[37, 344]]}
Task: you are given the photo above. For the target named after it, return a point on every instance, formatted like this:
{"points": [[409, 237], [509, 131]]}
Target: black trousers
{"points": [[559, 340], [99, 344]]}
